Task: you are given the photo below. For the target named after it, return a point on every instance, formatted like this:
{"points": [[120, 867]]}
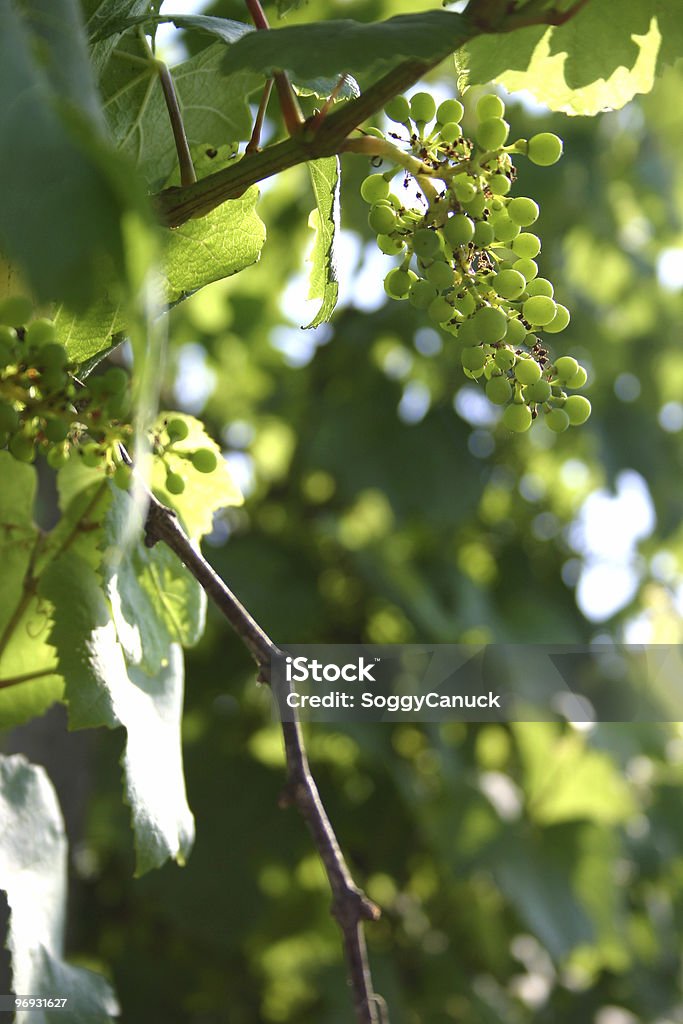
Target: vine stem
{"points": [[350, 906]]}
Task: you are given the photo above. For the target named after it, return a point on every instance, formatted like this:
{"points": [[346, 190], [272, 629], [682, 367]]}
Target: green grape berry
{"points": [[450, 111], [559, 321], [397, 283], [473, 358], [504, 358], [9, 418], [40, 332], [527, 268], [490, 106], [422, 107], [475, 207], [544, 149], [577, 409], [122, 476], [115, 380], [483, 234], [421, 293], [58, 456], [463, 188], [558, 420], [15, 310], [490, 324], [52, 356], [492, 133], [527, 371], [22, 447], [540, 286], [466, 305], [498, 390], [566, 367], [458, 230], [390, 246], [56, 430], [509, 284], [7, 354], [440, 310], [91, 454], [426, 243], [539, 310], [578, 380], [204, 460], [538, 392], [382, 219], [516, 333], [374, 188], [517, 418], [441, 275], [505, 228], [450, 132], [523, 211], [500, 184], [177, 429], [174, 483], [526, 245], [398, 109]]}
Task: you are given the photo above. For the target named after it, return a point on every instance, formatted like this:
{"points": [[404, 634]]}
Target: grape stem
{"points": [[370, 145]]}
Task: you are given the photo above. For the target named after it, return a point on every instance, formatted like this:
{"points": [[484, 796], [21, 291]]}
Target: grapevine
{"points": [[467, 257]]}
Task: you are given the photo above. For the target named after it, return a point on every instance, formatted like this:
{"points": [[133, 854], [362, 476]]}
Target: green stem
{"points": [[26, 677]]}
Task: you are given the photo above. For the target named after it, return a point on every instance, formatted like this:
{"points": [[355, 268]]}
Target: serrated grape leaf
{"points": [[24, 619], [91, 334], [103, 689], [325, 86], [336, 46], [70, 193], [205, 493], [215, 108], [324, 283], [225, 29], [593, 62], [99, 17], [33, 874]]}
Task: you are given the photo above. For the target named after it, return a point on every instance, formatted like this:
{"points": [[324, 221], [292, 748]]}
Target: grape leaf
{"points": [[99, 17], [72, 194], [215, 108], [33, 873], [336, 46], [206, 493], [102, 688], [325, 86], [24, 619], [324, 284], [225, 29], [91, 334], [593, 62]]}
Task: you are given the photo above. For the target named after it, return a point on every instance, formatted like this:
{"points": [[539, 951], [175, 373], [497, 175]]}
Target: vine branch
{"points": [[350, 906]]}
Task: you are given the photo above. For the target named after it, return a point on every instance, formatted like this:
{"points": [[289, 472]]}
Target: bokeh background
{"points": [[529, 873]]}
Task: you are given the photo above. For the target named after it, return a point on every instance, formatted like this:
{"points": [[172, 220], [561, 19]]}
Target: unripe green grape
{"points": [[15, 310], [527, 371], [500, 184], [558, 420], [40, 332], [509, 284], [390, 246], [426, 243], [504, 358], [540, 286], [505, 229], [122, 476], [174, 483], [8, 335], [516, 333], [566, 367], [559, 321], [7, 354], [177, 429], [119, 406], [397, 283], [458, 230], [422, 107], [22, 447], [398, 109], [523, 211], [204, 460], [441, 275], [450, 111], [421, 294], [374, 188], [538, 392], [382, 220], [52, 356], [498, 390], [56, 430], [492, 133], [475, 207], [91, 454], [517, 418], [53, 380], [115, 380], [473, 358], [440, 310], [9, 417], [578, 409], [490, 106], [526, 245], [58, 456], [544, 149], [463, 188], [539, 310], [450, 132], [578, 380], [466, 305], [483, 234], [527, 268], [491, 324]]}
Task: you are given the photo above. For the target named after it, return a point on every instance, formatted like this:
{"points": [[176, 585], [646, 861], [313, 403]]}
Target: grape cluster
{"points": [[468, 258], [45, 409], [204, 460]]}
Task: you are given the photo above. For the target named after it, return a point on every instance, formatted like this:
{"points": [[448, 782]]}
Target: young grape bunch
{"points": [[468, 256]]}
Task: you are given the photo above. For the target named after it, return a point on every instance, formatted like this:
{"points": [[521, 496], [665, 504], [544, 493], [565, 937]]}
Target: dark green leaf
{"points": [[223, 28]]}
